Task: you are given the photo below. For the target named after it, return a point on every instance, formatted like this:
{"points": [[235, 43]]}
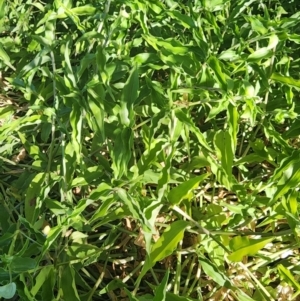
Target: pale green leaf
{"points": [[8, 291], [244, 246], [287, 80]]}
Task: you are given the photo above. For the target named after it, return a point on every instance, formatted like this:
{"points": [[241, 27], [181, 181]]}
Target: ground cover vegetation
{"points": [[149, 150]]}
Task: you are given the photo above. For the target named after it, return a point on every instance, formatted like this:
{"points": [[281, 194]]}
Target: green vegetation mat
{"points": [[149, 150]]}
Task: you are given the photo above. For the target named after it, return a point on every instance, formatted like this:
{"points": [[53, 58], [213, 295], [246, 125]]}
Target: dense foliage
{"points": [[149, 150]]}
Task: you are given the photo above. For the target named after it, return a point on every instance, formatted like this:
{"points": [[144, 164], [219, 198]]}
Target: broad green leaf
{"points": [[129, 96], [165, 245], [150, 156], [8, 291], [228, 55], [82, 251], [216, 109], [196, 162], [288, 277], [68, 284], [5, 57], [223, 144], [290, 179], [183, 190], [33, 192], [168, 241], [170, 44], [286, 176], [212, 271], [51, 238], [40, 279], [218, 69], [48, 286], [185, 20], [2, 8], [121, 153], [218, 170], [213, 5], [256, 25], [101, 61], [160, 290], [244, 246], [287, 80], [69, 74], [262, 53], [86, 10], [96, 107], [22, 264]]}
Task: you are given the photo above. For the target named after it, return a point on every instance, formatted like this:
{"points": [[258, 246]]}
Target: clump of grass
{"points": [[149, 150]]}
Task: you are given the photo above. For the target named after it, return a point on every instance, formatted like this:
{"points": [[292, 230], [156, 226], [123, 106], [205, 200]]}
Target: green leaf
{"points": [[48, 286], [213, 5], [86, 10], [131, 203], [170, 44], [287, 80], [5, 57], [218, 69], [33, 192], [2, 8], [112, 285], [191, 126], [8, 291], [121, 153], [286, 177], [262, 53], [182, 191], [233, 123], [51, 238], [160, 291], [22, 264], [168, 241], [185, 20], [165, 245], [41, 278], [288, 277], [70, 158], [150, 155], [223, 144], [130, 295], [244, 246], [212, 271], [68, 284], [129, 96], [256, 25], [76, 124]]}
